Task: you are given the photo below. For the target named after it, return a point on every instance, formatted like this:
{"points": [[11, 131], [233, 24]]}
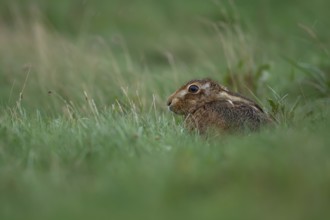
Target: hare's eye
{"points": [[193, 88]]}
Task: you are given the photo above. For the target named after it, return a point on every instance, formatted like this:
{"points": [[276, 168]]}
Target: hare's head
{"points": [[193, 95]]}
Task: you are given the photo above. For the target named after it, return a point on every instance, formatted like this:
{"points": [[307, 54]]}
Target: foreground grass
{"points": [[123, 166]]}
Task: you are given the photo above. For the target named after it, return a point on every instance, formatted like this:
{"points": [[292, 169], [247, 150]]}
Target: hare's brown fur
{"points": [[214, 106]]}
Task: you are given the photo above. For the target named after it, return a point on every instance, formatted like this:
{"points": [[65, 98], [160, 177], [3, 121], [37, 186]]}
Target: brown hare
{"points": [[205, 104]]}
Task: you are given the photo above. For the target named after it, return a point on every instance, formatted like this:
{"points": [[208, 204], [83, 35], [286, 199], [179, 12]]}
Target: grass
{"points": [[85, 133], [121, 165]]}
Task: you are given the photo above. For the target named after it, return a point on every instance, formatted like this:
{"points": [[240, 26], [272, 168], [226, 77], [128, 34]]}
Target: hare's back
{"points": [[237, 115]]}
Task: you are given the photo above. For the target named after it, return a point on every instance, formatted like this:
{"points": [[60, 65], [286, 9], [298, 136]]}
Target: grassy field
{"points": [[84, 128]]}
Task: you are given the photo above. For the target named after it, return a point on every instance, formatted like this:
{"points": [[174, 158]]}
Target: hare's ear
{"points": [[215, 84], [206, 85], [224, 88]]}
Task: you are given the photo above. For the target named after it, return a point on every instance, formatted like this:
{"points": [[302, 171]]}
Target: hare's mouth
{"points": [[175, 110], [172, 109]]}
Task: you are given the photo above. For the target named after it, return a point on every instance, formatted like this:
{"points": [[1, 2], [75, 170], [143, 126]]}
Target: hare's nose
{"points": [[169, 102]]}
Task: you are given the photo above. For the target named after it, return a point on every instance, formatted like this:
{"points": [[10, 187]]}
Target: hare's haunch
{"points": [[206, 104]]}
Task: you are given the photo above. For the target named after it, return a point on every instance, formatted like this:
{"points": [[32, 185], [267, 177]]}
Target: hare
{"points": [[205, 104]]}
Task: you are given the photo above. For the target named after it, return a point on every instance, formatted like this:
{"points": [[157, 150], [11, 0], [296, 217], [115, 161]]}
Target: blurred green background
{"points": [[85, 133], [97, 42]]}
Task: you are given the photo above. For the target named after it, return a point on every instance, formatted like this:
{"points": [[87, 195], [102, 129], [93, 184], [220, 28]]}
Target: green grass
{"points": [[85, 133]]}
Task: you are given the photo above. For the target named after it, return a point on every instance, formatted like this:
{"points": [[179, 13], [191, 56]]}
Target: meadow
{"points": [[85, 131]]}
